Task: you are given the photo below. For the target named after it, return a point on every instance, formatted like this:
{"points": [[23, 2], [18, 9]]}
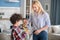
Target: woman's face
{"points": [[35, 8]]}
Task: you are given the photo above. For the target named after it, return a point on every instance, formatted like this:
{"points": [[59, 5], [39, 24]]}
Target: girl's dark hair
{"points": [[15, 17], [24, 18]]}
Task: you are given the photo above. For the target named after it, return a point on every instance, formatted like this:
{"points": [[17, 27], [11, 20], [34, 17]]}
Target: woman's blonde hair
{"points": [[39, 5]]}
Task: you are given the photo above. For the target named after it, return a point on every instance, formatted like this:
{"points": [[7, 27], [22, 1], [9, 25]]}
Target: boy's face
{"points": [[19, 22]]}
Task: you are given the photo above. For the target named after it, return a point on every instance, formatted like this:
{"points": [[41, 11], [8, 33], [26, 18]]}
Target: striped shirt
{"points": [[17, 34], [39, 21]]}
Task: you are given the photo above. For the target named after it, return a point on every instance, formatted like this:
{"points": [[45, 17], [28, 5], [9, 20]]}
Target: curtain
{"points": [[55, 12]]}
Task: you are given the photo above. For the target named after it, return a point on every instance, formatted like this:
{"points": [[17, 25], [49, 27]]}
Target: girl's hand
{"points": [[28, 32]]}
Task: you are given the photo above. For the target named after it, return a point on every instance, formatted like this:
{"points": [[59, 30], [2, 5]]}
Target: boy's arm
{"points": [[15, 35]]}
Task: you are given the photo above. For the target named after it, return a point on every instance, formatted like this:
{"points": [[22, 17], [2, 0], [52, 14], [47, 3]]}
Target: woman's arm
{"points": [[47, 24], [44, 28], [40, 30]]}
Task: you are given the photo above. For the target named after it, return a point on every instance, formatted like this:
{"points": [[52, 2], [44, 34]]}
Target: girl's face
{"points": [[35, 8], [25, 21]]}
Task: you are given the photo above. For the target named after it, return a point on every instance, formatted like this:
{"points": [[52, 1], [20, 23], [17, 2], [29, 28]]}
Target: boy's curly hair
{"points": [[15, 17]]}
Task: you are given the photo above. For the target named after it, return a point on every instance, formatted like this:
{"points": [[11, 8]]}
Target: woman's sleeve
{"points": [[30, 21], [47, 20]]}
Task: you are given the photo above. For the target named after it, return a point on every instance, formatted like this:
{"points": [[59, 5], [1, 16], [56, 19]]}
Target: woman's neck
{"points": [[38, 12]]}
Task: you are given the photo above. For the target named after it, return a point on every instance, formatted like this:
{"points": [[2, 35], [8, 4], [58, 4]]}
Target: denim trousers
{"points": [[41, 36]]}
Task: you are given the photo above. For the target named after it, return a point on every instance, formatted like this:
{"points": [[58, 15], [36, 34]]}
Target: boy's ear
{"points": [[16, 21]]}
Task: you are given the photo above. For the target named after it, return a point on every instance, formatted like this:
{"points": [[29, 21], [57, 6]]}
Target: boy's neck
{"points": [[15, 25]]}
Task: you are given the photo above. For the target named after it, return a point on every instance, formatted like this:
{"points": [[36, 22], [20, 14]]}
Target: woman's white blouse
{"points": [[39, 21]]}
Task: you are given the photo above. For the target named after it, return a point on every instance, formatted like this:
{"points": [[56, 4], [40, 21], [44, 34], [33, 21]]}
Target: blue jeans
{"points": [[41, 36]]}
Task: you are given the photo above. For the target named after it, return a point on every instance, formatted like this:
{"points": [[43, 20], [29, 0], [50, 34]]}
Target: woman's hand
{"points": [[42, 29], [37, 32]]}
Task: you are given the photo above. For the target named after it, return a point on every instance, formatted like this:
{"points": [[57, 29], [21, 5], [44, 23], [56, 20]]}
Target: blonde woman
{"points": [[40, 21]]}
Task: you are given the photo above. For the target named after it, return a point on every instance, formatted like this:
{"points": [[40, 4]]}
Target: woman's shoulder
{"points": [[46, 14]]}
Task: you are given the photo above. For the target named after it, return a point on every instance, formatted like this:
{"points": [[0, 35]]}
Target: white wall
{"points": [[44, 3], [23, 8], [5, 24], [8, 11]]}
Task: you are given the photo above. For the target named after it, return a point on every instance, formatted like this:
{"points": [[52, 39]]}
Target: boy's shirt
{"points": [[26, 27], [17, 33]]}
